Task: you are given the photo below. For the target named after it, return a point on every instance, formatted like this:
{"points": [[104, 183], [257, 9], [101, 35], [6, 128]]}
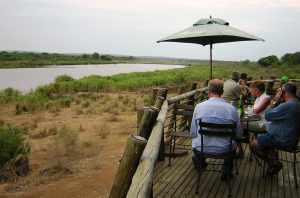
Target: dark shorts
{"points": [[266, 140]]}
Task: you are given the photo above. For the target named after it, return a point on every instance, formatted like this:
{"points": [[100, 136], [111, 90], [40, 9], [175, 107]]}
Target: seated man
{"points": [[214, 110], [262, 101], [283, 130], [232, 89]]}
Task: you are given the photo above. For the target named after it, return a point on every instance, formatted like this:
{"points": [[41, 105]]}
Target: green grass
{"points": [[55, 93], [135, 81]]}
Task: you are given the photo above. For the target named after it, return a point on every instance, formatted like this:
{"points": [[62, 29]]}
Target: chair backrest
{"points": [[217, 130]]}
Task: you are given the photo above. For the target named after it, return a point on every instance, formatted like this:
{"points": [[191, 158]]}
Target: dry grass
{"points": [[113, 118], [102, 130], [82, 146], [85, 104], [78, 111], [66, 143], [81, 129], [45, 132]]}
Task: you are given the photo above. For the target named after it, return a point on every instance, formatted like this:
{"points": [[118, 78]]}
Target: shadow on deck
{"points": [[179, 180]]}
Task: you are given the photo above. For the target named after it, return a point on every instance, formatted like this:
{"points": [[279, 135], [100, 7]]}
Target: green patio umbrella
{"points": [[208, 32]]}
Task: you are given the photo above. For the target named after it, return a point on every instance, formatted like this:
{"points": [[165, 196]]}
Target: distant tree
{"points": [[95, 55], [268, 61], [287, 58], [85, 56], [245, 62], [291, 59], [106, 57]]}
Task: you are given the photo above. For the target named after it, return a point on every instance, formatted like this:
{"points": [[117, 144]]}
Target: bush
{"points": [[246, 62], [67, 143], [268, 61], [63, 78], [12, 143], [9, 95], [291, 59], [106, 57], [95, 55]]}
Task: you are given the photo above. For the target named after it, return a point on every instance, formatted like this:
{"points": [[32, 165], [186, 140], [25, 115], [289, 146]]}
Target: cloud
{"points": [[141, 4], [162, 4]]}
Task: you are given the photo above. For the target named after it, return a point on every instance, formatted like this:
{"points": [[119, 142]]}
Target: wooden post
{"points": [[154, 95], [129, 163], [147, 122], [191, 99], [143, 178], [139, 116], [147, 119], [161, 96]]}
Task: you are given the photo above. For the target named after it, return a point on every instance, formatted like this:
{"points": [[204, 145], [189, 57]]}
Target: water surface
{"points": [[25, 79]]}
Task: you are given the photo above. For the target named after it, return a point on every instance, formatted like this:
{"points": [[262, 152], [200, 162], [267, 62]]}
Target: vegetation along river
{"points": [[25, 79]]}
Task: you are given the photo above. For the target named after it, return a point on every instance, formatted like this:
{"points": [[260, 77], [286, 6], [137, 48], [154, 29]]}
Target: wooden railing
{"points": [[164, 112], [141, 185]]}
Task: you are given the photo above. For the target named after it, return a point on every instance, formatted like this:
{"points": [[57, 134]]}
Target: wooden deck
{"points": [[179, 180]]}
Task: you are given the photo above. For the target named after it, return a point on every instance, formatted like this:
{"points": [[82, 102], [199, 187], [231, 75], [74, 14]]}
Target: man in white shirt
{"points": [[214, 110]]}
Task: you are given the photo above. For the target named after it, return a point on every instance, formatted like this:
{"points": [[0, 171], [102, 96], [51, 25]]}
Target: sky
{"points": [[132, 27]]}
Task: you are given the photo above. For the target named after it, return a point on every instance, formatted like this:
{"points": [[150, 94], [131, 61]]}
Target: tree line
{"points": [[13, 56], [286, 59]]}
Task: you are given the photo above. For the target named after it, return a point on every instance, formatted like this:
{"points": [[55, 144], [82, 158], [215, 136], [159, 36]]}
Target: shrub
{"points": [[8, 95], [63, 78], [12, 143], [291, 59], [245, 62], [95, 55], [269, 60], [65, 101], [67, 143]]}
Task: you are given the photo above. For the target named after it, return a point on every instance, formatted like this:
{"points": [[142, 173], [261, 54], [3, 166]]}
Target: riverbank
{"points": [[57, 94], [17, 59]]}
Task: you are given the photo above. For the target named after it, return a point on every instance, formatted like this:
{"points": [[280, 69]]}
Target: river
{"points": [[25, 79]]}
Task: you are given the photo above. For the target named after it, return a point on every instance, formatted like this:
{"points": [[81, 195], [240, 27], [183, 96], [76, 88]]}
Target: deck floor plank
{"points": [[180, 179]]}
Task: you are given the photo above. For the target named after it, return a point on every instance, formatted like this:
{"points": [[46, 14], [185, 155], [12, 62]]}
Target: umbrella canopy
{"points": [[208, 32]]}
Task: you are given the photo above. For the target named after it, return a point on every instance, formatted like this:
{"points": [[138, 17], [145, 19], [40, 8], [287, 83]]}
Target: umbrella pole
{"points": [[211, 61]]}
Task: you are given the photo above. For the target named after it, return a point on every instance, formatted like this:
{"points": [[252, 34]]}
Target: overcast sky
{"points": [[132, 27]]}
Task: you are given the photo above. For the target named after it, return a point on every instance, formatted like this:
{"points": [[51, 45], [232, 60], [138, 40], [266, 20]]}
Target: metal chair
{"points": [[220, 131], [185, 111]]}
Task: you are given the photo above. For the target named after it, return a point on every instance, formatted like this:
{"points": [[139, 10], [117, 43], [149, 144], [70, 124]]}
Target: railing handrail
{"points": [[185, 95], [274, 80]]}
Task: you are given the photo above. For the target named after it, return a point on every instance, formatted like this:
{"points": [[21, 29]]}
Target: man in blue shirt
{"points": [[214, 110], [283, 129]]}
